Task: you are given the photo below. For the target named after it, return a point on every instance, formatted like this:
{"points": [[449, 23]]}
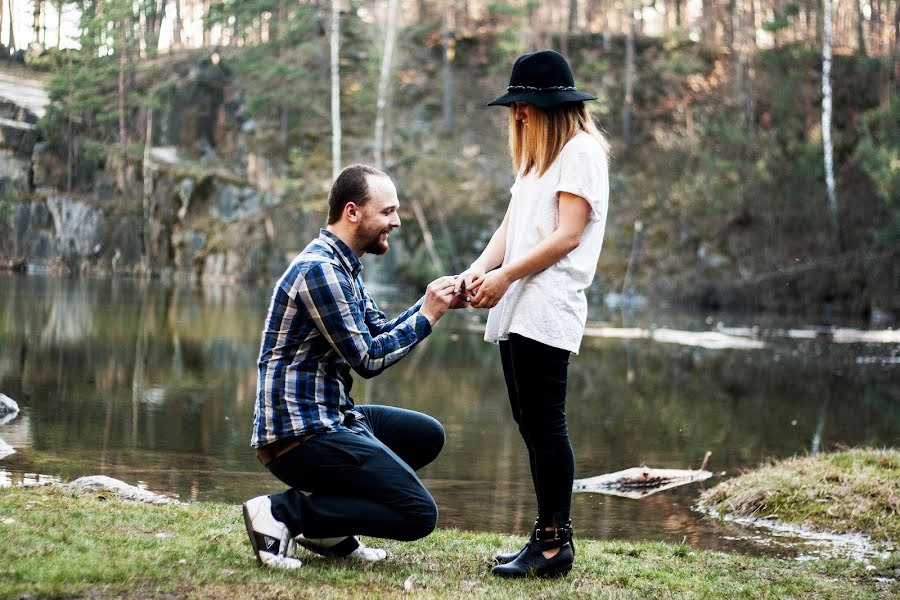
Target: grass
{"points": [[56, 544], [852, 491]]}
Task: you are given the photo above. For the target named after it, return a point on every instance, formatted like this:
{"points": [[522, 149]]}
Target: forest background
{"points": [[197, 138]]}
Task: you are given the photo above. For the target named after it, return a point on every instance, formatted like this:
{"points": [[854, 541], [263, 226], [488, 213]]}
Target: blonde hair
{"points": [[549, 129]]}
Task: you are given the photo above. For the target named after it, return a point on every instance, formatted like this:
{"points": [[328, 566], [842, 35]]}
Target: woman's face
{"points": [[520, 111]]}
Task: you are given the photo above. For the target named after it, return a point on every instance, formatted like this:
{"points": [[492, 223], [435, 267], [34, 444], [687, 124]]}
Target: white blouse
{"points": [[550, 306]]}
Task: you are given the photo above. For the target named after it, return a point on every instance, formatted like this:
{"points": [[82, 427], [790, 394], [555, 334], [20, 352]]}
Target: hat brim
{"points": [[541, 98]]}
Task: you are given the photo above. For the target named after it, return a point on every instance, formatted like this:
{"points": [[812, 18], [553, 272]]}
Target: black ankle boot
{"points": [[531, 561], [502, 558]]}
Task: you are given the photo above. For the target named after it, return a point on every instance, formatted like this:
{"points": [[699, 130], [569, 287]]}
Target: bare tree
{"points": [[207, 29], [59, 13], [178, 25], [335, 89], [448, 37], [123, 131], [384, 80], [12, 35], [860, 31], [826, 120], [36, 24], [629, 77]]}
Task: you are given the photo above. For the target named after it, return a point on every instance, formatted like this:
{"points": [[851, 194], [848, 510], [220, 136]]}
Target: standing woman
{"points": [[532, 275]]}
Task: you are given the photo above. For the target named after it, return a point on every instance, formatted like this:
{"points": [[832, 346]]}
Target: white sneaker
{"points": [[269, 537], [343, 547]]}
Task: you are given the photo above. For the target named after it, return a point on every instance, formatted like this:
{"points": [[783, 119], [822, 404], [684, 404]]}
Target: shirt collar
{"points": [[347, 256]]}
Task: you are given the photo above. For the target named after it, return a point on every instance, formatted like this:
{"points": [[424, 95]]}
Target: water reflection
{"points": [[156, 384]]}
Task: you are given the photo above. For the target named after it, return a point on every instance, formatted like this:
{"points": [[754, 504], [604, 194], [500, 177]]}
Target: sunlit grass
{"points": [[55, 544], [853, 491]]}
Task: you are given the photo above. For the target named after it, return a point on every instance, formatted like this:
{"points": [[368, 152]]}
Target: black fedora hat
{"points": [[541, 78]]}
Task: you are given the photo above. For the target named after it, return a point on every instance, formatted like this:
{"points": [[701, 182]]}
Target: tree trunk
{"points": [[282, 33], [12, 35], [207, 30], [826, 122], [384, 81], [123, 132], [176, 34], [860, 31], [59, 12], [708, 22], [335, 89], [629, 77], [448, 37], [147, 174], [70, 144], [36, 25]]}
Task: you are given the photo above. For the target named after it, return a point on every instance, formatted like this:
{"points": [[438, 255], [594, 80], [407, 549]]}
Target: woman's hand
{"points": [[468, 281], [490, 288]]}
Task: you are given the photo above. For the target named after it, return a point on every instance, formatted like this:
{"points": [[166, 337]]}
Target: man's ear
{"points": [[351, 211]]}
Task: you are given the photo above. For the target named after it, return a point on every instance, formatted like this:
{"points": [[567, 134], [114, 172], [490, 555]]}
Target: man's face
{"points": [[378, 216]]}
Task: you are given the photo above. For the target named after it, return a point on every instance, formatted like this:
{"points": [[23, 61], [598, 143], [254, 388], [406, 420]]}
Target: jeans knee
{"points": [[434, 441], [422, 522]]}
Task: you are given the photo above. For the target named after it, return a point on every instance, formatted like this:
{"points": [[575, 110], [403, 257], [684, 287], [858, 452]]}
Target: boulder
{"points": [[117, 488]]}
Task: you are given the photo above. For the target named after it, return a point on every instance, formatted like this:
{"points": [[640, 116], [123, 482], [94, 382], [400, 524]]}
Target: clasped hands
{"points": [[473, 287]]}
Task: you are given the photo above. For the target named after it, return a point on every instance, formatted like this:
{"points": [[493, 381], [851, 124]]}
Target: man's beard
{"points": [[375, 245]]}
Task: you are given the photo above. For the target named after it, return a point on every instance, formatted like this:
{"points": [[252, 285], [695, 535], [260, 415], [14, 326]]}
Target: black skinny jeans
{"points": [[361, 482], [536, 376]]}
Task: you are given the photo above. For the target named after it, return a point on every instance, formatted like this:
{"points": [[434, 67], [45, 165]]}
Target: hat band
{"points": [[564, 88]]}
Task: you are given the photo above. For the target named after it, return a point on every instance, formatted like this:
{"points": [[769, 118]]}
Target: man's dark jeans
{"points": [[361, 482]]}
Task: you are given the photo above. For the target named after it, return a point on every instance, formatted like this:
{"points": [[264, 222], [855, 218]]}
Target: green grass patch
{"points": [[56, 544], [853, 491]]}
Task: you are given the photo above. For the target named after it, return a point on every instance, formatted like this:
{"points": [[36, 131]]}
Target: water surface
{"points": [[155, 384]]}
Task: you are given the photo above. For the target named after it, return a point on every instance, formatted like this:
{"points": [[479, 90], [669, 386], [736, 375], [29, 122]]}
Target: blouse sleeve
{"points": [[584, 172]]}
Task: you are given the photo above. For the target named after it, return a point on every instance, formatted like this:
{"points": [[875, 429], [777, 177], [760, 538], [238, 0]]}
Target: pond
{"points": [[155, 384]]}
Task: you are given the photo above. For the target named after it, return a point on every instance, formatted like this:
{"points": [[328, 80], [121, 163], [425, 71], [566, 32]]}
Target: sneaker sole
{"points": [[249, 526]]}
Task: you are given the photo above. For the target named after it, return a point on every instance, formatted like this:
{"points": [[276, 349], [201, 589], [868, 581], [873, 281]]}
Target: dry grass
{"points": [[853, 491]]}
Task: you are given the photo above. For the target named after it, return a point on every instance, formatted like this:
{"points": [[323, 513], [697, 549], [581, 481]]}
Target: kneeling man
{"points": [[351, 469]]}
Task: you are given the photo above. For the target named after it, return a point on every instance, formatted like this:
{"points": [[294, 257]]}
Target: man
{"points": [[351, 470]]}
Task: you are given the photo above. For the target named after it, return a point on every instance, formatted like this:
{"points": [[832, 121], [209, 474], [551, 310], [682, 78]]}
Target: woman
{"points": [[546, 249]]}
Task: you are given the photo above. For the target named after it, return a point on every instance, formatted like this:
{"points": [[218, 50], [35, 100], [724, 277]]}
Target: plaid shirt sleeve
{"points": [[379, 323], [339, 313]]}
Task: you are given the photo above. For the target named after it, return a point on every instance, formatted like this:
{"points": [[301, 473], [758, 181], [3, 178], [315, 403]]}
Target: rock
{"points": [[7, 405], [185, 193], [11, 110], [229, 202], [5, 449], [18, 136], [48, 167], [119, 489], [14, 172], [77, 226]]}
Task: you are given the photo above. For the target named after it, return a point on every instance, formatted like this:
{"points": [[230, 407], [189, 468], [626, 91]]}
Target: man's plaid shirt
{"points": [[321, 323]]}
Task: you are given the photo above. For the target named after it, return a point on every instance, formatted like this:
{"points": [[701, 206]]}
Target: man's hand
{"points": [[491, 288], [439, 295]]}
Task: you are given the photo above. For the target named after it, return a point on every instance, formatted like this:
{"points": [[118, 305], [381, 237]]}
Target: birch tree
{"points": [[123, 130], [448, 41], [826, 119], [335, 90], [629, 78], [12, 36], [36, 24], [384, 80]]}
